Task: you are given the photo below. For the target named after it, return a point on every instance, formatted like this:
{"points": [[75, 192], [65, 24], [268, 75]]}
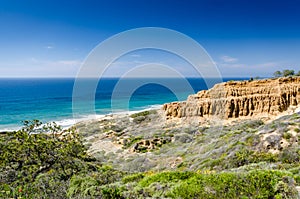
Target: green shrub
{"points": [[111, 192], [139, 119], [143, 113], [297, 130], [297, 179], [133, 177], [91, 184], [287, 135], [165, 177], [41, 159], [263, 157], [245, 156], [290, 155], [252, 184], [258, 184], [132, 141], [83, 186]]}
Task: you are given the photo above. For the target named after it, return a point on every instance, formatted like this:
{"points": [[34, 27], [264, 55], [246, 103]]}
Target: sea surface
{"points": [[52, 99]]}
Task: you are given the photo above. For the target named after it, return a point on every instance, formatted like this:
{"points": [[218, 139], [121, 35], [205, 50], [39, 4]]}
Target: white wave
{"points": [[145, 108], [68, 122], [154, 107], [9, 129]]}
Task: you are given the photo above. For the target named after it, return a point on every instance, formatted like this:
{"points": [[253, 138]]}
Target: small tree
{"points": [[298, 74], [277, 74], [41, 159], [287, 73]]}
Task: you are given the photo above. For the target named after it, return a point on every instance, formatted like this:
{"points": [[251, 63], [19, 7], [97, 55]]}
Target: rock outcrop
{"points": [[149, 144], [239, 98]]}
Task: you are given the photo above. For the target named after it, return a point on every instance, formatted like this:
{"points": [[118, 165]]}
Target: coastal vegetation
{"points": [[39, 160], [44, 161]]}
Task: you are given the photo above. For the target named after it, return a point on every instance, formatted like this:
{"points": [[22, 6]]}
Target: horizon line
{"points": [[107, 77]]}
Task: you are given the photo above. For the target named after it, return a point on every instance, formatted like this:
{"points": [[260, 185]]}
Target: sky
{"points": [[245, 38]]}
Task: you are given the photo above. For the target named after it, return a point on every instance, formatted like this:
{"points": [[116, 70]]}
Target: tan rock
{"points": [[239, 98]]}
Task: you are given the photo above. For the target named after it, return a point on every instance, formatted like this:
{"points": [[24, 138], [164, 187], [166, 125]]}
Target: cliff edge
{"points": [[236, 99]]}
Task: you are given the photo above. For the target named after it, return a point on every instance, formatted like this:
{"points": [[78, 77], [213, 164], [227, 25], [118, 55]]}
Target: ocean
{"points": [[51, 99]]}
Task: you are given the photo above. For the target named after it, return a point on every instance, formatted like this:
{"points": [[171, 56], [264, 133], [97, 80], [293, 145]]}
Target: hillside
{"points": [[265, 137]]}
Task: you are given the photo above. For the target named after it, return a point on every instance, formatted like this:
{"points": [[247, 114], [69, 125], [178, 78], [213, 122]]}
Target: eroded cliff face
{"points": [[239, 98]]}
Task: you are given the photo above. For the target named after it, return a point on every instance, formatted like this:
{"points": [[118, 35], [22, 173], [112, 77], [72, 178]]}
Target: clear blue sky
{"points": [[52, 38]]}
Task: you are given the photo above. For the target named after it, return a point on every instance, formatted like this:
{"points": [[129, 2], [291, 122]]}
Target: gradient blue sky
{"points": [[244, 37]]}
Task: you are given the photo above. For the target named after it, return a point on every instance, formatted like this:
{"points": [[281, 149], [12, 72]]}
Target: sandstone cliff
{"points": [[239, 98]]}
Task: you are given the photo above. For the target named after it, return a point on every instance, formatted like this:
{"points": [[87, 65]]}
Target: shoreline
{"points": [[69, 122]]}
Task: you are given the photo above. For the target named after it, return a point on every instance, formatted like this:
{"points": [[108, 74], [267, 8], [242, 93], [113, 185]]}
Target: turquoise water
{"points": [[51, 99]]}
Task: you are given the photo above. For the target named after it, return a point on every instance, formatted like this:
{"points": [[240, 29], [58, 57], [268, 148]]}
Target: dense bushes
{"points": [[47, 162], [253, 184], [260, 184], [93, 184], [40, 159], [166, 177]]}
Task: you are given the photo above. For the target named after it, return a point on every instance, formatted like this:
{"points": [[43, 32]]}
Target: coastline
{"points": [[143, 141], [51, 100], [69, 122]]}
